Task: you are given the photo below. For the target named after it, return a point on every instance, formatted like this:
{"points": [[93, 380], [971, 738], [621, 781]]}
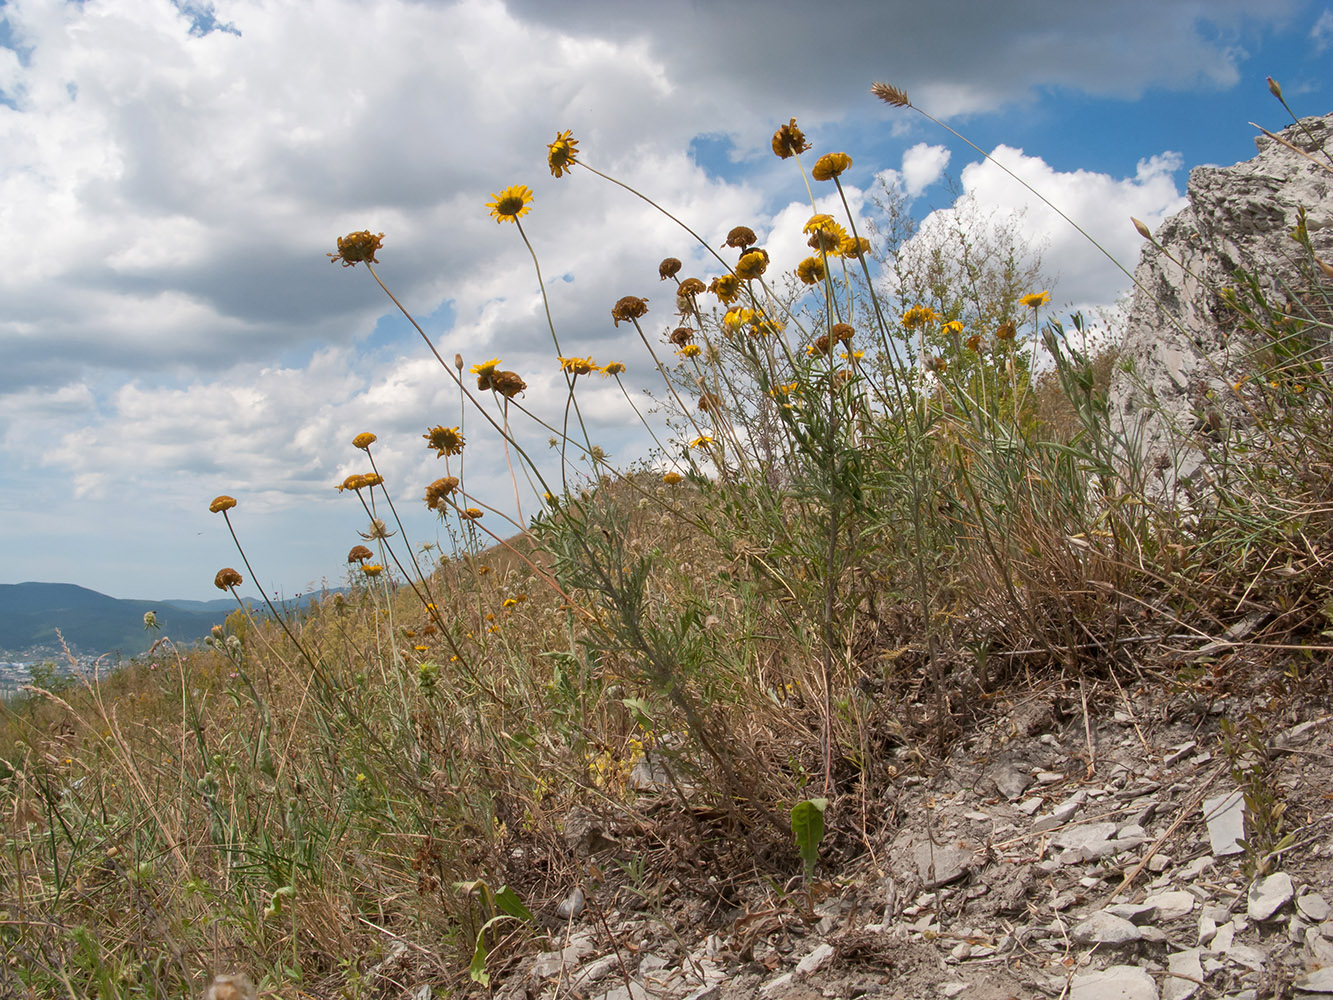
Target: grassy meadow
{"points": [[871, 520]]}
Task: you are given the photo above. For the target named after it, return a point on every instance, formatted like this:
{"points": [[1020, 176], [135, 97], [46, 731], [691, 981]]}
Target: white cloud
{"points": [[1322, 32]]}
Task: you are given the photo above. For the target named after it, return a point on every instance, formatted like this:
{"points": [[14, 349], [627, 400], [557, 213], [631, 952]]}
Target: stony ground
{"points": [[1057, 852]]}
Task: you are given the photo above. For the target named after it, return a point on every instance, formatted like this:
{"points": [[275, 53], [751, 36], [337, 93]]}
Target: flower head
{"points": [[727, 287], [669, 268], [1034, 299], [372, 569], [227, 578], [445, 441], [973, 343], [810, 270], [689, 351], [919, 316], [702, 441], [842, 333], [357, 248], [830, 165], [629, 307], [470, 514], [438, 492], [1006, 331], [741, 237], [222, 503], [753, 263], [789, 140], [710, 402], [736, 318], [953, 326], [508, 384], [359, 554], [681, 336], [511, 203], [364, 440], [853, 246], [614, 368], [672, 478], [825, 234], [690, 286], [484, 372], [560, 155], [578, 366]]}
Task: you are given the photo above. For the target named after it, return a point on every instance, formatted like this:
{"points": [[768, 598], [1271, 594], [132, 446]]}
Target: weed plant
{"points": [[870, 518]]}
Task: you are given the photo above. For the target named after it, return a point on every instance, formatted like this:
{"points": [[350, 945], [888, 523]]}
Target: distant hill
{"points": [[94, 623]]}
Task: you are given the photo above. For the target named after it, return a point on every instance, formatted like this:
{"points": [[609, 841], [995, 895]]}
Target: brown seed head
{"points": [[227, 578], [842, 333], [789, 140], [629, 307], [690, 286], [681, 336], [508, 384], [741, 237], [438, 491], [357, 248], [359, 554], [1006, 331], [669, 268], [890, 94]]}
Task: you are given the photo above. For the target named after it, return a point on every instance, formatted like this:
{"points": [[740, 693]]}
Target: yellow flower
{"points": [[484, 372], [953, 326], [561, 154], [357, 248], [438, 492], [854, 246], [222, 503], [363, 441], [1035, 299], [752, 264], [702, 441], [578, 366], [830, 165], [736, 318], [825, 234], [510, 603], [810, 270], [445, 441], [510, 203], [919, 316], [372, 569], [689, 351], [614, 368], [672, 478], [472, 514], [789, 140], [726, 287]]}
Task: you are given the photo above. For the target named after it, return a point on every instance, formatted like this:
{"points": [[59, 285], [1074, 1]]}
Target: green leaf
{"points": [[807, 824], [507, 900], [477, 970]]}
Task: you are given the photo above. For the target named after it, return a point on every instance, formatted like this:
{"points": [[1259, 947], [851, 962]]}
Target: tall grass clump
{"points": [[887, 489]]}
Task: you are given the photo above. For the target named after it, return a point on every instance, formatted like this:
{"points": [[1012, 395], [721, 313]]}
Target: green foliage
{"points": [[807, 826]]}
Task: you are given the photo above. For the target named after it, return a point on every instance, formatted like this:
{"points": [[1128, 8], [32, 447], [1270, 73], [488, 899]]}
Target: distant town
{"points": [[16, 665]]}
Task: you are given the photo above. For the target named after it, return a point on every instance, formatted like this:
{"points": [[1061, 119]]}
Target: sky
{"points": [[174, 174]]}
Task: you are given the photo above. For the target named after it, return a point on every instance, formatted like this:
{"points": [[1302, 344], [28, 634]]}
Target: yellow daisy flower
{"points": [[510, 203]]}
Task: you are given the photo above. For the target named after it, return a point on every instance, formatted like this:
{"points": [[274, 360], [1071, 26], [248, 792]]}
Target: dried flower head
{"points": [[614, 368], [753, 263], [358, 248], [470, 514], [789, 140], [508, 384], [821, 345], [669, 268], [741, 237], [227, 578], [372, 479], [710, 403], [681, 336], [438, 492], [222, 503], [445, 441], [1006, 331], [377, 530], [842, 333], [973, 343], [236, 986], [484, 372], [629, 307], [359, 554], [934, 365], [830, 165], [890, 94], [919, 316], [672, 478], [510, 203], [825, 234], [560, 155], [364, 440], [1034, 299], [727, 288], [811, 270], [690, 286]]}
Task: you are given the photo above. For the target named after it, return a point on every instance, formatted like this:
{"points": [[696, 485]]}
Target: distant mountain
{"points": [[94, 623]]}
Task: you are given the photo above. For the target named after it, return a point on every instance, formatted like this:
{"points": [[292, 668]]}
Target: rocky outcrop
{"points": [[1185, 347]]}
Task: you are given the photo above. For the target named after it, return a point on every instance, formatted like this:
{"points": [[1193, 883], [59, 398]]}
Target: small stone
{"points": [[951, 990], [1268, 895], [1197, 867], [1030, 805], [1119, 982], [1131, 831], [1221, 942], [1319, 981], [1008, 780], [1135, 913], [1171, 905], [1106, 928], [1313, 907], [572, 905], [1049, 777], [1154, 935], [1225, 816], [1182, 964], [776, 985], [816, 960], [1251, 958], [1078, 837], [1159, 863], [960, 951], [941, 864], [1207, 929], [1179, 754], [1061, 814]]}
